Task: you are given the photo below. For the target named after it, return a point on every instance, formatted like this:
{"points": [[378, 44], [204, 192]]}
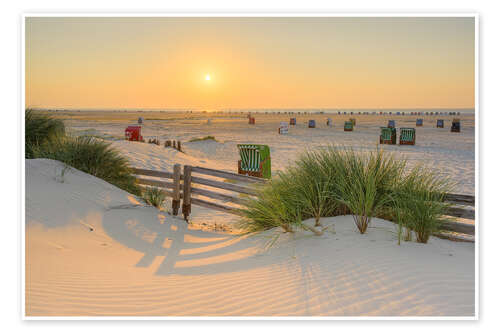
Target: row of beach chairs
{"points": [[349, 125], [406, 136]]}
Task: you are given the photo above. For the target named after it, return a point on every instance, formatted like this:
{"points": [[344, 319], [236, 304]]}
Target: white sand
{"points": [[451, 154], [92, 249]]}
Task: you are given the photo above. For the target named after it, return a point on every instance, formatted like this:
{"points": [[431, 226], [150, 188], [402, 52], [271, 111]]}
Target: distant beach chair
{"points": [[140, 120], [440, 123], [293, 121], [133, 133], [406, 136], [251, 120], [387, 136], [353, 121], [283, 129], [312, 123], [391, 124], [348, 126], [420, 122], [329, 122], [255, 160], [455, 125]]}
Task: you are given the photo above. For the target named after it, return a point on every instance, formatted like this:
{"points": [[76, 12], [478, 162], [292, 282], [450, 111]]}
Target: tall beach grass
{"points": [[338, 181], [85, 153]]}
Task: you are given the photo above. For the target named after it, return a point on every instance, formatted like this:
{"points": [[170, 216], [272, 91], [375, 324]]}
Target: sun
{"points": [[207, 77]]}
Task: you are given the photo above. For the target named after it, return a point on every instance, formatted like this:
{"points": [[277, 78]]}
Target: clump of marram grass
{"points": [[92, 156], [40, 129], [205, 138], [336, 181], [419, 201], [364, 182], [154, 196]]}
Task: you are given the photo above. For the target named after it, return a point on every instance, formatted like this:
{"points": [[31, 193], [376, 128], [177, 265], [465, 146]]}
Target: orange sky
{"points": [[252, 62]]}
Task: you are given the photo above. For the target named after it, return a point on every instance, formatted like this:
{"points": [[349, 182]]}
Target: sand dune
{"points": [[95, 250]]}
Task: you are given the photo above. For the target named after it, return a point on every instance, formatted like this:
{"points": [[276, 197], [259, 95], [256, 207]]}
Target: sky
{"points": [[255, 62]]}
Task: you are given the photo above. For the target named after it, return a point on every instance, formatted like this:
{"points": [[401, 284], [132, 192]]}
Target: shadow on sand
{"points": [[185, 251]]}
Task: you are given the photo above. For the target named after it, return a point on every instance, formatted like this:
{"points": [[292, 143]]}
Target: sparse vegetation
{"points": [[208, 137], [154, 196], [45, 138], [337, 181]]}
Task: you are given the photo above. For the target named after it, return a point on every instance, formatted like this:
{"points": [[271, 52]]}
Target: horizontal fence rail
{"points": [[461, 199], [228, 175], [182, 185]]}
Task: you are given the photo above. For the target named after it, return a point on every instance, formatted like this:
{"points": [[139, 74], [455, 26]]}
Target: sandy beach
{"points": [[95, 250]]}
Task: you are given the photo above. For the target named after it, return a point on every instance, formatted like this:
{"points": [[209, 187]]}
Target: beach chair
{"points": [[387, 136], [255, 160], [348, 126], [406, 136], [312, 123], [329, 122], [251, 120], [440, 123], [455, 125], [391, 124], [133, 133], [293, 121], [420, 122], [283, 129], [353, 121]]}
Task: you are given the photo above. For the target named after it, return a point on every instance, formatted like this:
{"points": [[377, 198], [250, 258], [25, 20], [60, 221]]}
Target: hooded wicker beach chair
{"points": [[420, 122], [255, 160], [293, 121], [406, 136], [387, 135], [312, 123], [353, 121], [329, 122], [348, 126], [440, 123], [455, 125], [391, 124]]}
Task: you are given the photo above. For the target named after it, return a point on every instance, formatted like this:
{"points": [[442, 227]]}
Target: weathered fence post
{"points": [[168, 143], [178, 145], [176, 200], [186, 192]]}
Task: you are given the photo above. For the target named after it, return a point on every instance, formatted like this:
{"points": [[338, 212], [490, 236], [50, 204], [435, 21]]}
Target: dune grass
{"points": [[205, 138], [154, 196], [338, 181], [93, 156], [40, 129], [46, 138]]}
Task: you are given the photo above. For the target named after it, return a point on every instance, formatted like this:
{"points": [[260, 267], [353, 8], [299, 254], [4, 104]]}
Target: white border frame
{"points": [[26, 15]]}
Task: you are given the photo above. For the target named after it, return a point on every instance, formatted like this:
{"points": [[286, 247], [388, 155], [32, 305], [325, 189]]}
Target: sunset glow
{"points": [[260, 62]]}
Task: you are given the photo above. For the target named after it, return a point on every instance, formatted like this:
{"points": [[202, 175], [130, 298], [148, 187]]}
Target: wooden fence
{"points": [[185, 185], [190, 193]]}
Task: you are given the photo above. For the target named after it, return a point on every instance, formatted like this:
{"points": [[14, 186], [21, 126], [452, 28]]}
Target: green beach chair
{"points": [[255, 160], [348, 126], [387, 135], [406, 136]]}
